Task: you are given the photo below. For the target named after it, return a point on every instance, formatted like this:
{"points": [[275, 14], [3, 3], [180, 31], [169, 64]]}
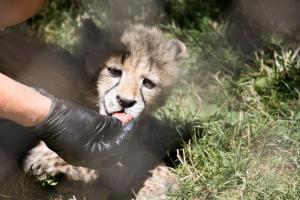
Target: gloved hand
{"points": [[83, 137]]}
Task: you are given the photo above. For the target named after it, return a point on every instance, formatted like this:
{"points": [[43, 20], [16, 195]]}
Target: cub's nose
{"points": [[125, 103]]}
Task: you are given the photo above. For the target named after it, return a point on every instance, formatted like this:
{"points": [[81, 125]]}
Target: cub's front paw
{"points": [[159, 185]]}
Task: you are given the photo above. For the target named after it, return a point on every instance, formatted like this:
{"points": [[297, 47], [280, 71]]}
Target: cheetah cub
{"points": [[125, 73]]}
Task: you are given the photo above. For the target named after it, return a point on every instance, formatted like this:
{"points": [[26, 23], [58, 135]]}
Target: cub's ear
{"points": [[177, 49], [89, 32]]}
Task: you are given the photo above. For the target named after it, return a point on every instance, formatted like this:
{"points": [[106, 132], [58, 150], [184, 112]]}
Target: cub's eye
{"points": [[113, 72], [148, 83]]}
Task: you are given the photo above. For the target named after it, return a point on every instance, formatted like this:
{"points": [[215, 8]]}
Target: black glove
{"points": [[83, 137]]}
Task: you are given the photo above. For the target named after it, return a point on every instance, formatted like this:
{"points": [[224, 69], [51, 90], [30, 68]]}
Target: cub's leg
{"points": [[41, 160], [161, 183]]}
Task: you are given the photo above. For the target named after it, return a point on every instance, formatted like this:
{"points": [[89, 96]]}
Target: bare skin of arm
{"points": [[18, 102], [22, 104], [16, 11]]}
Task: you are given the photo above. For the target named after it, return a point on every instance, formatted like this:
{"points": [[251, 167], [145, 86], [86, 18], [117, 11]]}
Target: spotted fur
{"points": [[161, 183], [140, 53]]}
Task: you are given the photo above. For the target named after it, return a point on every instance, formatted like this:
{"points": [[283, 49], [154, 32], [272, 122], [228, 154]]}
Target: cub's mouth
{"points": [[122, 116]]}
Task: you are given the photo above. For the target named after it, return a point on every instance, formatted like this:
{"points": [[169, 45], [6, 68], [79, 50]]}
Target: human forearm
{"points": [[17, 11], [22, 104], [78, 134]]}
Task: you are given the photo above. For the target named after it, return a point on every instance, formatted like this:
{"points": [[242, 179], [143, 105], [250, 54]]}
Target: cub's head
{"points": [[135, 68]]}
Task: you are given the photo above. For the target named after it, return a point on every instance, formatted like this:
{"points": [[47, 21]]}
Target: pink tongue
{"points": [[123, 117]]}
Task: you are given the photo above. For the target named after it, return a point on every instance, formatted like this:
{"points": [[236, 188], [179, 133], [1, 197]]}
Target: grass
{"points": [[242, 110], [246, 131]]}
